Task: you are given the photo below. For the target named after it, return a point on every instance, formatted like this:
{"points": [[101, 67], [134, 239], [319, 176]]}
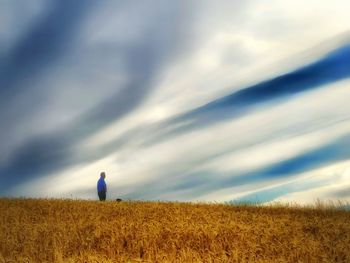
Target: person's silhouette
{"points": [[102, 187]]}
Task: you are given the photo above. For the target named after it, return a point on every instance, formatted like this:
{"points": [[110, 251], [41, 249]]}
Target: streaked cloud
{"points": [[175, 100]]}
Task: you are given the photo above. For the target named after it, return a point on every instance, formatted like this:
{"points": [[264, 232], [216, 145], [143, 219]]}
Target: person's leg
{"points": [[103, 196], [100, 196]]}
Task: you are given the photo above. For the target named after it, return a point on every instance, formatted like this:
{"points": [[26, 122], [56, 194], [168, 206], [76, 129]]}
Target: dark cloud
{"points": [[34, 159], [33, 55], [40, 46], [143, 60]]}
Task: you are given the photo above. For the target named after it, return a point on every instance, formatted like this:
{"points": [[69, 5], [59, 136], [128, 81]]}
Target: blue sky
{"points": [[175, 100]]}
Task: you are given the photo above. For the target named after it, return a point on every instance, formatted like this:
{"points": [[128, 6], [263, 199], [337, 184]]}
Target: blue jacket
{"points": [[101, 185]]}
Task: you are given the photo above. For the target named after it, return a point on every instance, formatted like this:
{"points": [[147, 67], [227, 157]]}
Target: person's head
{"points": [[103, 175]]}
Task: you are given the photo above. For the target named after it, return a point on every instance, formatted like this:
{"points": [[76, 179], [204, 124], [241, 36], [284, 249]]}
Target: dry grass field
{"points": [[90, 231]]}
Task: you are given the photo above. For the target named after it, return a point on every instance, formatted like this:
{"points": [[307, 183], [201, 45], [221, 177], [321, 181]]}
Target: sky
{"points": [[175, 100]]}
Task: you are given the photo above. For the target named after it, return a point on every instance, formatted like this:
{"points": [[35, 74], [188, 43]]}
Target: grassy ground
{"points": [[90, 231]]}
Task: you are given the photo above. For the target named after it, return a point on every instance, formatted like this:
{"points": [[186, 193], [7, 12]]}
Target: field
{"points": [[45, 230]]}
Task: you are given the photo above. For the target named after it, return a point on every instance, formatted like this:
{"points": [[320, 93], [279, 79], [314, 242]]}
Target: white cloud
{"points": [[338, 175]]}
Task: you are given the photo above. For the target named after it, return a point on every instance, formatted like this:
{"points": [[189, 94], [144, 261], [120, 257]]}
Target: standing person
{"points": [[102, 187]]}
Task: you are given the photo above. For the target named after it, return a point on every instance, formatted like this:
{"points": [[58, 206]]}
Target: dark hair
{"points": [[102, 173]]}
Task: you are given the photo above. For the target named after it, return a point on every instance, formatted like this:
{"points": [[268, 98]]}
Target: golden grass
{"points": [[47, 230]]}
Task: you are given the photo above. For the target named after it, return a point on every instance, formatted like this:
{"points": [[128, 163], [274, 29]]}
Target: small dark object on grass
{"points": [[118, 200]]}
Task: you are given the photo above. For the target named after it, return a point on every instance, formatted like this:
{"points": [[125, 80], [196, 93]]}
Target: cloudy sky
{"points": [[175, 100]]}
